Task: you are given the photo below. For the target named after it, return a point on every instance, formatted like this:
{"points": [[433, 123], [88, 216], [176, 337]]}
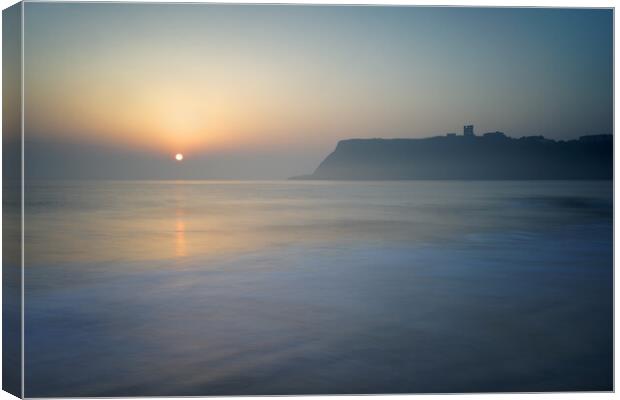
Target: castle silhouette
{"points": [[492, 156]]}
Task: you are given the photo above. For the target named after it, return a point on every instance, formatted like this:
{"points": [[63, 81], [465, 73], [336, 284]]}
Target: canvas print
{"points": [[270, 199]]}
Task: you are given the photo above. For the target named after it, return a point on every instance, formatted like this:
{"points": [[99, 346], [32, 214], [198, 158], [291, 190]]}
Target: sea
{"points": [[187, 288]]}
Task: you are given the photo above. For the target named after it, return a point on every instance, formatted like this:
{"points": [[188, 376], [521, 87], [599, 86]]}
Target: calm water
{"points": [[203, 288]]}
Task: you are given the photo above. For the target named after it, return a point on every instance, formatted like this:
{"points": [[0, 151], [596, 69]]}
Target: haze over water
{"points": [[233, 287]]}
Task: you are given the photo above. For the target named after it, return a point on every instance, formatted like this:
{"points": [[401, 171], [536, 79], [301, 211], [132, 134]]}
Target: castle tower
{"points": [[468, 130]]}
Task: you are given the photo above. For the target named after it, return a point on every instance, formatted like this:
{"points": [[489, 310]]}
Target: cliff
{"points": [[493, 156]]}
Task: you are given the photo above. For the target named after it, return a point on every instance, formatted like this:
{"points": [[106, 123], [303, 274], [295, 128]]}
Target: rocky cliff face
{"points": [[493, 156]]}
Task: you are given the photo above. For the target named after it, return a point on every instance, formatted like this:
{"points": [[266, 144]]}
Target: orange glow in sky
{"points": [[218, 79]]}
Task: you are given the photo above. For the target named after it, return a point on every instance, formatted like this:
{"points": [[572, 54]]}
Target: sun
{"points": [[179, 157]]}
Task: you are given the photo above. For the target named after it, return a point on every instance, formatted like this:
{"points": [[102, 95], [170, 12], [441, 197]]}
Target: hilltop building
{"points": [[496, 134], [468, 130]]}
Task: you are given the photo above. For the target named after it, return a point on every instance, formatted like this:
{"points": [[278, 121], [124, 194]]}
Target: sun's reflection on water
{"points": [[180, 245]]}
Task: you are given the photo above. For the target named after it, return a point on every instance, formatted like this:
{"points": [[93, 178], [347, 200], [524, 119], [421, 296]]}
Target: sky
{"points": [[266, 91]]}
